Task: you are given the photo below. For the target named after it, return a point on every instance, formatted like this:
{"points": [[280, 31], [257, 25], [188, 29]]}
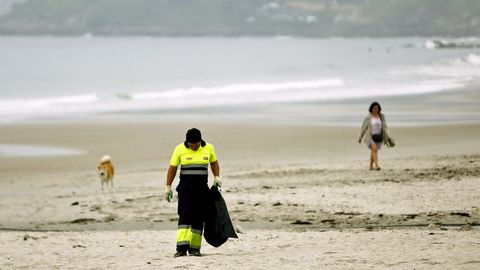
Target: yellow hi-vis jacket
{"points": [[189, 159]]}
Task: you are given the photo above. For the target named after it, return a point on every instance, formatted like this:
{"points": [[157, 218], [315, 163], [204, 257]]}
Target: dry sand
{"points": [[302, 196]]}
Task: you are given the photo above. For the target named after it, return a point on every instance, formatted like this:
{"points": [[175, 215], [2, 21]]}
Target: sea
{"points": [[329, 81]]}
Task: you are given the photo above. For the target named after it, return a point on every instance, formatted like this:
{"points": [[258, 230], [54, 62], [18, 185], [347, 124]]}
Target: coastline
{"points": [[449, 107]]}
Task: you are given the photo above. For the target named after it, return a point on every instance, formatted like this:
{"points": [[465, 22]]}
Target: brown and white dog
{"points": [[106, 171]]}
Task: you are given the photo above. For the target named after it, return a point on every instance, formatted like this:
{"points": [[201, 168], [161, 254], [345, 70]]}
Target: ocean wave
{"points": [[460, 69], [226, 96], [239, 89], [46, 105], [473, 59], [461, 43], [193, 97]]}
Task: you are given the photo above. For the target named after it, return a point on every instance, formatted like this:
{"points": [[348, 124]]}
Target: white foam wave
{"points": [[192, 97], [461, 69], [471, 42], [208, 97], [238, 89], [48, 105], [473, 59]]}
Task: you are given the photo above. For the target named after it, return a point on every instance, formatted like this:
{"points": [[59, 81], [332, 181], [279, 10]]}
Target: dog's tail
{"points": [[105, 159]]}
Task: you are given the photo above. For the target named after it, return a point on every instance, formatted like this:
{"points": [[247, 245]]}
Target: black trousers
{"points": [[193, 201]]}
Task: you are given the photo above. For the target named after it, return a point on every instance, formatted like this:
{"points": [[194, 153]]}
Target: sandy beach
{"points": [[301, 197]]}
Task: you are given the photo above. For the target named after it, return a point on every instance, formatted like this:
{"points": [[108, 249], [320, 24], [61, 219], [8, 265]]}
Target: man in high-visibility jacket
{"points": [[193, 156]]}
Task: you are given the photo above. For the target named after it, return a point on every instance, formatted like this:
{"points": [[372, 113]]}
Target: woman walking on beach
{"points": [[375, 128], [193, 156]]}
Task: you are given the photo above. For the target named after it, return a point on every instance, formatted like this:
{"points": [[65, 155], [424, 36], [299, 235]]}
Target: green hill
{"points": [[243, 17]]}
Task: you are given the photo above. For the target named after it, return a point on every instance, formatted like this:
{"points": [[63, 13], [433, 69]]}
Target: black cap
{"points": [[194, 135]]}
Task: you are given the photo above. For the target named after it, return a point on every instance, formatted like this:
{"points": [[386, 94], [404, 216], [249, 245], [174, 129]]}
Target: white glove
{"points": [[217, 182], [168, 193]]}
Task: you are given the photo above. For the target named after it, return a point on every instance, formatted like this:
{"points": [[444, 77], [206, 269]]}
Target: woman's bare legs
{"points": [[374, 157]]}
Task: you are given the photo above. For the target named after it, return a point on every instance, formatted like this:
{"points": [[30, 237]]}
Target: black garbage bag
{"points": [[218, 225]]}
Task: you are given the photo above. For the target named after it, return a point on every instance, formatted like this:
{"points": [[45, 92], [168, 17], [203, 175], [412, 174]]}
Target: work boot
{"points": [[180, 254], [194, 252]]}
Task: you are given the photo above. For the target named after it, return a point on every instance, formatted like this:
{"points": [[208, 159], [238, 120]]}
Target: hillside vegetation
{"points": [[314, 18]]}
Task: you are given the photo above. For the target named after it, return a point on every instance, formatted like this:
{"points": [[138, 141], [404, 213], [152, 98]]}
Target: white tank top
{"points": [[376, 123]]}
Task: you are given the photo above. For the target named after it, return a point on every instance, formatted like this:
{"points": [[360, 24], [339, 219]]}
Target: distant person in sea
{"points": [[374, 129], [194, 155]]}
